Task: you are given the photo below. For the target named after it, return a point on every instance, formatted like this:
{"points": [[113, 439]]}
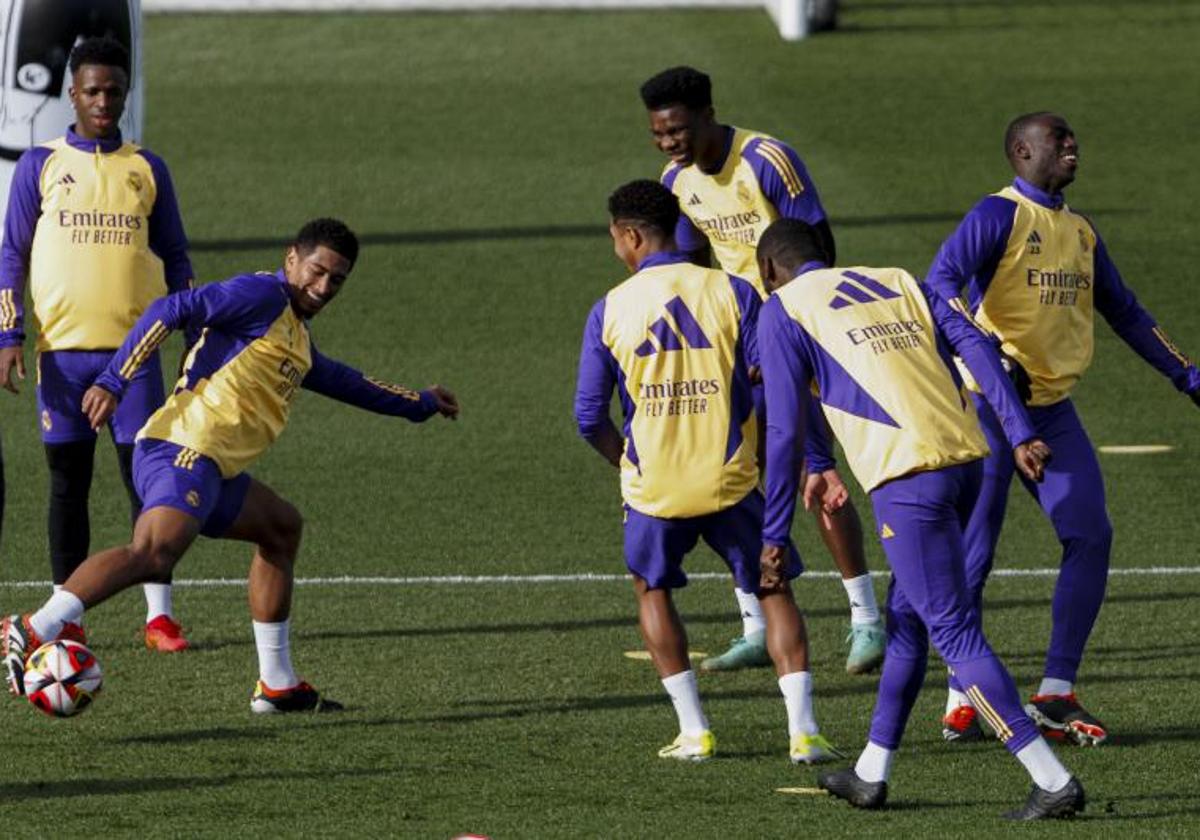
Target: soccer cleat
{"points": [[1061, 718], [845, 784], [300, 698], [962, 724], [812, 749], [72, 632], [700, 747], [19, 642], [165, 635], [867, 643], [1044, 805], [746, 652]]}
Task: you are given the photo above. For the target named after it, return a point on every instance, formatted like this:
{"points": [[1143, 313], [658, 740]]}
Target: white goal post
{"points": [[794, 18]]}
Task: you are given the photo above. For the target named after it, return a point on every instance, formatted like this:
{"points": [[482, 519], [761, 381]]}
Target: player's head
{"points": [[1042, 150], [317, 264], [682, 120], [99, 82], [783, 249], [642, 216]]}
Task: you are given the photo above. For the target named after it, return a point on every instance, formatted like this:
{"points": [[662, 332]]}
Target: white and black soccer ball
{"points": [[62, 678]]}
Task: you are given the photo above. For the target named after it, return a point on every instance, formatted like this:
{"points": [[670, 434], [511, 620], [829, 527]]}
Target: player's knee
{"points": [[154, 560], [286, 528]]}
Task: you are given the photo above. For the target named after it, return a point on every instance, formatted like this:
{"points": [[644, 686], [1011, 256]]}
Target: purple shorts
{"points": [[168, 475], [655, 548], [64, 375]]}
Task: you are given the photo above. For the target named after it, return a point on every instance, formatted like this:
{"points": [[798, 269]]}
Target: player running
{"points": [[875, 343], [732, 183], [93, 226], [1035, 273], [190, 459], [678, 342]]}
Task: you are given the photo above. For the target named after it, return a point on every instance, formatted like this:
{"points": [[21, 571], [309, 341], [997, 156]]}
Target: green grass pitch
{"points": [[474, 154]]}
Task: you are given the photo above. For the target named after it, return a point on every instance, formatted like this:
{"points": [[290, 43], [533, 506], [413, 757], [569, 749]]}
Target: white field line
{"points": [[483, 580]]}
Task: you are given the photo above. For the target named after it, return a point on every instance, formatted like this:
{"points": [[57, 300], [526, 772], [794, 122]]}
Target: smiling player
{"points": [[731, 184], [189, 464], [1035, 273]]}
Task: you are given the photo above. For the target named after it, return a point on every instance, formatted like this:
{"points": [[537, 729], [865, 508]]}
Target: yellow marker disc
{"points": [[644, 655], [1141, 449], [803, 791]]}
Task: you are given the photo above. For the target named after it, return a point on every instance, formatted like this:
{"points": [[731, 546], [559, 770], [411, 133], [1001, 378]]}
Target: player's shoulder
{"points": [[670, 174], [996, 208]]}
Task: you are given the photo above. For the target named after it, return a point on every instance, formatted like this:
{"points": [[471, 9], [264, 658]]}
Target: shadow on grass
{"points": [[552, 231], [67, 788]]}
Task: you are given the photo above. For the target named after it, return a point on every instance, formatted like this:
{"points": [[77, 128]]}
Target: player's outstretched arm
{"points": [[343, 383], [1120, 307]]}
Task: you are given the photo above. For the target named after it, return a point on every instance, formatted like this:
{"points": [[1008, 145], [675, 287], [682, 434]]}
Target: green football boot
{"points": [[867, 643], [745, 652]]}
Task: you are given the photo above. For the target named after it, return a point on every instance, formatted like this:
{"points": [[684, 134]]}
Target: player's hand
{"points": [[755, 374], [447, 403], [10, 358], [825, 492], [99, 406], [771, 563], [1195, 395], [1032, 457]]}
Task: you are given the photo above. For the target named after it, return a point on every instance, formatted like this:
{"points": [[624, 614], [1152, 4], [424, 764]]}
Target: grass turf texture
{"points": [[474, 153]]}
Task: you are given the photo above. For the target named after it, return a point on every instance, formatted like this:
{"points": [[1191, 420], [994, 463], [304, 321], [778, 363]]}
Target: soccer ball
{"points": [[62, 678]]}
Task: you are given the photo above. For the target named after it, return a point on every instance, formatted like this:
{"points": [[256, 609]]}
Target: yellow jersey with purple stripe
{"points": [[760, 180], [1034, 273], [94, 227], [875, 346], [677, 341], [240, 378]]}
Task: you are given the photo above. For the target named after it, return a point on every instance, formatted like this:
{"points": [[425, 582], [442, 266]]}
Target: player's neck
{"points": [[715, 149]]}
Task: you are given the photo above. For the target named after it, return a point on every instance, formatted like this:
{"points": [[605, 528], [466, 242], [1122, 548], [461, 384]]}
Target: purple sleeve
{"points": [[786, 374], [749, 305], [167, 239], [1125, 315], [246, 305], [979, 354], [20, 221], [343, 383], [968, 259], [688, 237], [784, 180], [597, 376], [818, 448]]}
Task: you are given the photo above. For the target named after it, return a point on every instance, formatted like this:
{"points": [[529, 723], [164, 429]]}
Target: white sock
{"points": [[274, 654], [158, 600], [1050, 685], [1043, 765], [685, 696], [874, 763], [63, 607], [57, 586], [753, 620], [860, 592], [797, 696], [954, 699]]}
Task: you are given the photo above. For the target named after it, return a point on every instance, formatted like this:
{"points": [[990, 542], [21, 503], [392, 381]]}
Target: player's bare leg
{"points": [[842, 532], [274, 526], [787, 640], [666, 640], [161, 535]]}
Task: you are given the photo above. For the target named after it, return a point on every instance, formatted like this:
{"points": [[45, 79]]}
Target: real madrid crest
{"points": [[743, 192]]}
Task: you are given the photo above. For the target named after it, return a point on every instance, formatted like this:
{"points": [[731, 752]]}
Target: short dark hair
{"points": [[104, 51], [332, 233], [791, 243], [646, 203], [685, 86], [1016, 129]]}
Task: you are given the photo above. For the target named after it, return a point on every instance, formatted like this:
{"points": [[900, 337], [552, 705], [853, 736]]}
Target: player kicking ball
{"points": [[876, 344], [230, 404], [678, 341]]}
